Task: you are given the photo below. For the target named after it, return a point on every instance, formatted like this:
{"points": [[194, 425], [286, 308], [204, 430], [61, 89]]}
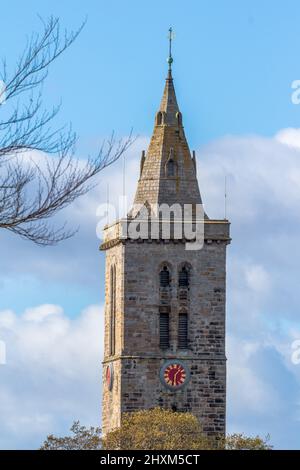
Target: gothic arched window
{"points": [[159, 118], [112, 322], [183, 330], [171, 167], [164, 277], [183, 279], [179, 118]]}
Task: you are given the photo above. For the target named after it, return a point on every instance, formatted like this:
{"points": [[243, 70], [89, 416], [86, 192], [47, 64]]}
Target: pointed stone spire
{"points": [[168, 171], [168, 105]]}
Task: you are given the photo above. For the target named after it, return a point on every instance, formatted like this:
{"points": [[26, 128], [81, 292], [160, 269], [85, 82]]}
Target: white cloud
{"points": [[40, 313], [257, 278], [55, 366], [7, 319], [248, 390], [289, 136], [65, 262], [52, 374], [261, 179]]}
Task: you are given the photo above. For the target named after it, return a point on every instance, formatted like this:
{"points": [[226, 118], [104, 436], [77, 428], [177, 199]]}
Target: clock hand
{"points": [[174, 378]]}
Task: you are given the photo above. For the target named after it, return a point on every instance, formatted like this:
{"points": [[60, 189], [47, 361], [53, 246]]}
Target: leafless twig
{"points": [[34, 189]]}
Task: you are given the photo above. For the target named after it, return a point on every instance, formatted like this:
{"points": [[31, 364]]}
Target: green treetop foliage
{"points": [[154, 429]]}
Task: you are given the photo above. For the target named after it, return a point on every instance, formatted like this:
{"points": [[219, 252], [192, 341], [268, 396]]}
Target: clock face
{"points": [[174, 374], [109, 375]]}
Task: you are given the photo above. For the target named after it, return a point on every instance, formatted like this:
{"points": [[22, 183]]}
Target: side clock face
{"points": [[174, 374], [109, 376]]}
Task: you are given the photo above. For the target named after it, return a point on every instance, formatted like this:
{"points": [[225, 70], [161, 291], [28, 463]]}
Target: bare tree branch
{"points": [[35, 186]]}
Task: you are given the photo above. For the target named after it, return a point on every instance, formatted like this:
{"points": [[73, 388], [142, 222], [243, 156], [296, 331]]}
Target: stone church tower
{"points": [[165, 305]]}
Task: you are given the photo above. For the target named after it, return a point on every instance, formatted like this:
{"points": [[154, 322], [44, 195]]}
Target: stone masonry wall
{"points": [[138, 357]]}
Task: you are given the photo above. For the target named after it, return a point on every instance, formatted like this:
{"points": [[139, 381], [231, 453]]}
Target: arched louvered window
{"points": [[183, 279], [164, 333], [183, 330], [171, 167], [164, 277], [159, 118], [179, 118], [112, 323]]}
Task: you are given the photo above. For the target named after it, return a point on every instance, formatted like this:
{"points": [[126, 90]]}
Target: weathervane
{"points": [[170, 58]]}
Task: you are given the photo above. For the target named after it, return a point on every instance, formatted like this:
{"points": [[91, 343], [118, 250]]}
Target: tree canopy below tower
{"points": [[155, 429]]}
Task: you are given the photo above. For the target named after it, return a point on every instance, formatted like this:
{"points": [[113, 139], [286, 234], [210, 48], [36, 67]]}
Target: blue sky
{"points": [[234, 63]]}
